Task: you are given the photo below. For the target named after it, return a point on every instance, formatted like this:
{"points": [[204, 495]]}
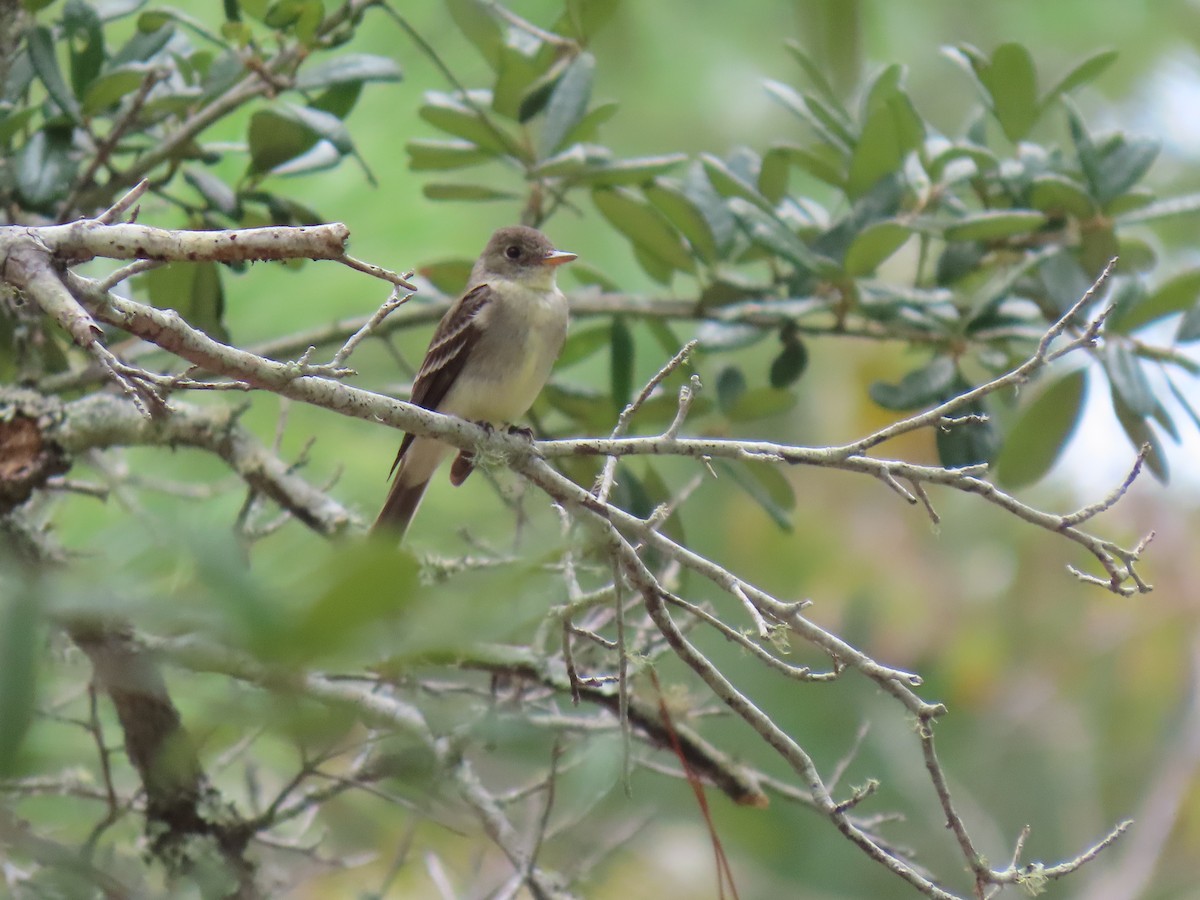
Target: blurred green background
{"points": [[1070, 709]]}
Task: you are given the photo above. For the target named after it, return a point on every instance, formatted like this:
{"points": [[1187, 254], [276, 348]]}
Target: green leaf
{"points": [[817, 77], [1139, 432], [873, 245], [1128, 380], [275, 137], [454, 116], [348, 67], [448, 276], [586, 17], [443, 155], [1189, 326], [927, 386], [583, 343], [568, 103], [21, 644], [765, 485], [587, 127], [1057, 194], [1011, 81], [994, 224], [621, 363], [475, 20], [639, 170], [773, 176], [790, 364], [10, 125], [643, 226], [890, 131], [833, 129], [216, 193], [761, 403], [85, 43], [1122, 165], [45, 63], [45, 167], [729, 184], [731, 386], [765, 230], [982, 158], [968, 443], [194, 291], [685, 215], [1088, 70], [469, 192], [109, 89], [1183, 205], [1037, 438], [820, 161], [524, 60]]}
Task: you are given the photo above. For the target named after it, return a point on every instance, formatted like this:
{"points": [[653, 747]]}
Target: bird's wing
{"points": [[453, 340]]}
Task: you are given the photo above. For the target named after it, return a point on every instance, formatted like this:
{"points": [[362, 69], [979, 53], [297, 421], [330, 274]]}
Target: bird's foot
{"points": [[522, 430]]}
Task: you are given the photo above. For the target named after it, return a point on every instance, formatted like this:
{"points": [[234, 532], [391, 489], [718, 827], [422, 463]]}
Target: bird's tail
{"points": [[415, 467], [399, 508]]}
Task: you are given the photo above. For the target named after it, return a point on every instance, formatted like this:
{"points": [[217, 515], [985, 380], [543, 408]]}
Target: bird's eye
{"points": [[513, 252]]}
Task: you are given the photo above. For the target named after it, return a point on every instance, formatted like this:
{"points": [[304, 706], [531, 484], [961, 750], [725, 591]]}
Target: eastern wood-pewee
{"points": [[488, 359]]}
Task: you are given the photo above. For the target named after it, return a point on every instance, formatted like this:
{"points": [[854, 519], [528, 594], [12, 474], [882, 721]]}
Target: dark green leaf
{"points": [[85, 43], [523, 61], [790, 364], [469, 192], [926, 386], [1122, 165], [443, 155], [338, 99], [773, 176], [652, 265], [1128, 380], [568, 103], [274, 138], [194, 291], [109, 89], [764, 484], [348, 67], [731, 386], [621, 363], [729, 184], [644, 226], [605, 173], [1140, 433], [966, 443], [45, 63], [683, 213], [468, 121], [890, 131], [765, 230], [45, 167], [1057, 194], [21, 645], [11, 125], [1037, 438], [873, 245], [991, 225]]}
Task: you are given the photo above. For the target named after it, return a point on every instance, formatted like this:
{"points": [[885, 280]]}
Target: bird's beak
{"points": [[558, 257]]}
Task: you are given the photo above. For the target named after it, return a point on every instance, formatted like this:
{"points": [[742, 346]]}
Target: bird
{"points": [[487, 361]]}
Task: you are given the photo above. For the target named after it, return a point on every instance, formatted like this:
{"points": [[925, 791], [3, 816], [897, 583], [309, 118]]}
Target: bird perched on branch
{"points": [[489, 358]]}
